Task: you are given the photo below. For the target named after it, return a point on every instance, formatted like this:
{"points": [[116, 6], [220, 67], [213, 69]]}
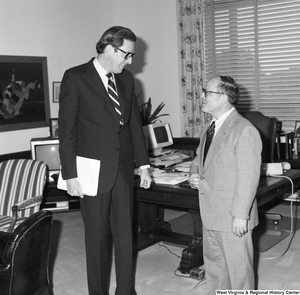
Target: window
{"points": [[257, 42]]}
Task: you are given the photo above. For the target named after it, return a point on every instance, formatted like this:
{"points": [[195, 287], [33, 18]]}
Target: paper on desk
{"points": [[88, 175], [184, 167], [171, 178], [154, 172]]}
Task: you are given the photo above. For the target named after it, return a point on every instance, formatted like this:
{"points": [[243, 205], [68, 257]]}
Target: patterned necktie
{"points": [[112, 92], [209, 137]]}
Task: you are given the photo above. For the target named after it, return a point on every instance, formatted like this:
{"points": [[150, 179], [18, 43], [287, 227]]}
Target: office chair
{"points": [[24, 257], [22, 183], [267, 127]]}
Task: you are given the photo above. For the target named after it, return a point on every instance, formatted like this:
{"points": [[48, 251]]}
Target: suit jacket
{"points": [[230, 175], [89, 125]]}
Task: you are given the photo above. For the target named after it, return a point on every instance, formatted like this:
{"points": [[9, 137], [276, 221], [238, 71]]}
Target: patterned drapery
{"points": [[192, 65]]}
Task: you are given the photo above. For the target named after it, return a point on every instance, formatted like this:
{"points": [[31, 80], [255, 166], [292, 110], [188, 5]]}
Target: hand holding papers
{"points": [[88, 175]]}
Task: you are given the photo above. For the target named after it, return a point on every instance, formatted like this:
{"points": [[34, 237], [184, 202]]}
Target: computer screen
{"points": [[46, 150], [158, 136]]}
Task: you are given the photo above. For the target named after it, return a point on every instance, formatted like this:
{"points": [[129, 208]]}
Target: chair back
{"points": [[267, 127], [24, 268], [20, 179]]}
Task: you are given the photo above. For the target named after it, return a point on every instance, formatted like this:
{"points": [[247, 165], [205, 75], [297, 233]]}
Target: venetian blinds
{"points": [[257, 42]]}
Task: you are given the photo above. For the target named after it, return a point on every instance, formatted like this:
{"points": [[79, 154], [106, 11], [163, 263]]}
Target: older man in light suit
{"points": [[227, 181]]}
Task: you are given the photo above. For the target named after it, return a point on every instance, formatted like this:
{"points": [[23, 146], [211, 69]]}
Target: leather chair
{"points": [[22, 183], [24, 256], [267, 127]]}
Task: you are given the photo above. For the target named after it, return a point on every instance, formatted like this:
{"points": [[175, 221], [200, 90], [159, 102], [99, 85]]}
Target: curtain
{"points": [[192, 65]]}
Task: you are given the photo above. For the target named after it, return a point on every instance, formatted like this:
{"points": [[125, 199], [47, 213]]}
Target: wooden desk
{"points": [[149, 219]]}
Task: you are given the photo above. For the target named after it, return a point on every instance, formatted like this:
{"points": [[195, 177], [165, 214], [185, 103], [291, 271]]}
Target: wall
{"points": [[66, 33], [156, 66]]}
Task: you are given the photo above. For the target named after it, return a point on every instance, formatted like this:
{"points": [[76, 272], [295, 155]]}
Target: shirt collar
{"points": [[101, 71], [221, 120]]}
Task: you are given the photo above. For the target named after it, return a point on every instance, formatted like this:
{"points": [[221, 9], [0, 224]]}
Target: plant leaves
{"points": [[145, 112]]}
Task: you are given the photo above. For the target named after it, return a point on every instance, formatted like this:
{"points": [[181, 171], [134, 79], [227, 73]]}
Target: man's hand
{"points": [[194, 181], [74, 188], [239, 226], [145, 178]]}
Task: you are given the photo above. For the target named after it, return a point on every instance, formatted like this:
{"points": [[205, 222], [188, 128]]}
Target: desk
{"points": [[149, 219]]}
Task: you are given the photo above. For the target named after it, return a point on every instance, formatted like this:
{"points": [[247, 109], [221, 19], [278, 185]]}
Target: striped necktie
{"points": [[209, 137], [112, 92]]}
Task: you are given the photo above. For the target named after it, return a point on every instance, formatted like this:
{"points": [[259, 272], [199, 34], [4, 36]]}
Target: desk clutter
{"points": [[168, 158], [170, 168]]}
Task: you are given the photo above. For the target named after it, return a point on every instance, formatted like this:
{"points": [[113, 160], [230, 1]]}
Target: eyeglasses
{"points": [[205, 92], [127, 54]]}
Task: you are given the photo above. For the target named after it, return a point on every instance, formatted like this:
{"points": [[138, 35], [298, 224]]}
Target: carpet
{"points": [[156, 265]]}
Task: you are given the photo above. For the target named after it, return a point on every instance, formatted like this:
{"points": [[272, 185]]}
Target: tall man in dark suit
{"points": [[90, 126], [227, 180]]}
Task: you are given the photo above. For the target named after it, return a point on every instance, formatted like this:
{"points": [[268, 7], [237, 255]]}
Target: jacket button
{"points": [[201, 177]]}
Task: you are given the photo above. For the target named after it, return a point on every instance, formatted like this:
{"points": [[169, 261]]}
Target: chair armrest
{"points": [[21, 206], [27, 203]]}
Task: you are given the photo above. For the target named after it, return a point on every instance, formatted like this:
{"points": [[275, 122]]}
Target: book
{"points": [[286, 145], [87, 173]]}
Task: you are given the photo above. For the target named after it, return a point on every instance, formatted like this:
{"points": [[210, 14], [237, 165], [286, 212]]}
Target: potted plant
{"points": [[147, 116]]}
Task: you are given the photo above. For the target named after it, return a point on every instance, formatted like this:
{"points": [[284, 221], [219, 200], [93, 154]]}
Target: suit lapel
{"points": [[96, 83], [219, 139]]}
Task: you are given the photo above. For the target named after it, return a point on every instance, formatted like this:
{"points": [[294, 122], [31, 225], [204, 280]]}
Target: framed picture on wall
{"points": [[54, 128], [24, 98], [56, 91]]}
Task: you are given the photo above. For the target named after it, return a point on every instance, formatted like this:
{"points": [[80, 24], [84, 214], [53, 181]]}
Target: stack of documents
{"points": [[170, 177], [183, 167], [168, 160]]}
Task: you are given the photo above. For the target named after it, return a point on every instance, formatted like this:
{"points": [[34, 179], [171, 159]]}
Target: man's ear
{"points": [[110, 49]]}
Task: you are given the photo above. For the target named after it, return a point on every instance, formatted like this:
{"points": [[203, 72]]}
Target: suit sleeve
{"points": [[68, 118], [248, 160], [138, 137], [194, 166]]}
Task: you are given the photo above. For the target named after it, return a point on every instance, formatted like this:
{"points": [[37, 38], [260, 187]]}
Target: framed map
{"points": [[24, 100]]}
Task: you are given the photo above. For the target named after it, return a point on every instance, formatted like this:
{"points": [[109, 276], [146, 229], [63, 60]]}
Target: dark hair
{"points": [[230, 88], [114, 36]]}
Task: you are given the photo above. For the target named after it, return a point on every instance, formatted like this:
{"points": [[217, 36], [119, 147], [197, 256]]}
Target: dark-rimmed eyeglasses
{"points": [[127, 54], [205, 92]]}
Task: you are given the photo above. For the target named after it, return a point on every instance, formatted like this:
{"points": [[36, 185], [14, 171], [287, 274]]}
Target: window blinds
{"points": [[257, 42]]}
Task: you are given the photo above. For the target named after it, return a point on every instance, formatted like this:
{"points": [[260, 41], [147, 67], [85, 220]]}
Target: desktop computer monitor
{"points": [[46, 150], [159, 136]]}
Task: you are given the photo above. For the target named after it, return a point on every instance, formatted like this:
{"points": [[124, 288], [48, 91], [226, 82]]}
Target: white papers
{"points": [[88, 175], [162, 176], [169, 160], [171, 178], [183, 167]]}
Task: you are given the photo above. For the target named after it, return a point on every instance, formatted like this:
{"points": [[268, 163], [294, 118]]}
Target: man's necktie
{"points": [[209, 137], [112, 92]]}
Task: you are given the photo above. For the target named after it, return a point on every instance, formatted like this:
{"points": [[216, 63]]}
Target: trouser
{"points": [[228, 261], [108, 220]]}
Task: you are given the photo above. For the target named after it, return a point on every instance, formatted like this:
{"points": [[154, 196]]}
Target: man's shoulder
{"points": [[81, 67]]}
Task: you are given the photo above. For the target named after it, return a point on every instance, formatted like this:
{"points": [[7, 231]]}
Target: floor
{"points": [[277, 268]]}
